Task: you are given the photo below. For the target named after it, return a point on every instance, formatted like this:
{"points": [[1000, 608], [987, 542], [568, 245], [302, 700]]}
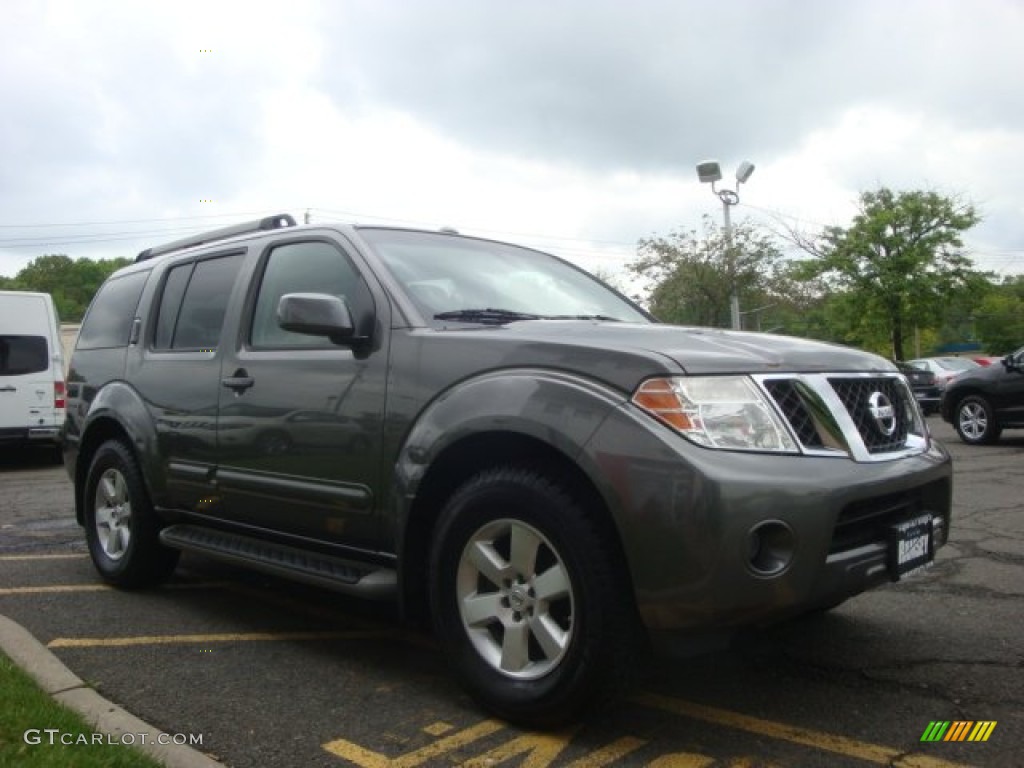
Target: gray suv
{"points": [[495, 439]]}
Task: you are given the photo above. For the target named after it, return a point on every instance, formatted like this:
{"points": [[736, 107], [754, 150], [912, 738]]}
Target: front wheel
{"points": [[526, 600], [121, 528], [975, 422]]}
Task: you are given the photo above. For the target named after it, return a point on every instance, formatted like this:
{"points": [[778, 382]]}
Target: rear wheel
{"points": [[121, 528], [534, 618], [975, 422]]}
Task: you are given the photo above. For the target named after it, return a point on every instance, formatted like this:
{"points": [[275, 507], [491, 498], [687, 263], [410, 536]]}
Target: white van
{"points": [[32, 388]]}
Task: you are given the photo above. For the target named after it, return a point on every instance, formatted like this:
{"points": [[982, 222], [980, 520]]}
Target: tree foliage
{"points": [[690, 275], [899, 263], [998, 319], [71, 282]]}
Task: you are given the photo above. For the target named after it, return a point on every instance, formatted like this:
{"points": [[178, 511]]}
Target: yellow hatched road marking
{"points": [[828, 742], [366, 758], [608, 754], [236, 637]]}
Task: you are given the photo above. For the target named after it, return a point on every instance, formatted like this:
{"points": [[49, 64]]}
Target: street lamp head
{"points": [[709, 172], [744, 171]]}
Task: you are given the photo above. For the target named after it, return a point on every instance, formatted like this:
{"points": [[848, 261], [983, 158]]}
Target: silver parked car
{"points": [[945, 368]]}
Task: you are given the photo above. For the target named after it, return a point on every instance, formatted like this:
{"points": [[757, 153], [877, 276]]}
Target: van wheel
{"points": [[121, 528], [975, 422], [526, 601]]}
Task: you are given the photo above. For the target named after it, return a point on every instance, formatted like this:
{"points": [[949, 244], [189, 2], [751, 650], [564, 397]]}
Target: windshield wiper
{"points": [[605, 318], [489, 315]]}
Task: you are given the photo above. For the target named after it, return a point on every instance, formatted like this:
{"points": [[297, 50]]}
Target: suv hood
{"points": [[698, 350]]}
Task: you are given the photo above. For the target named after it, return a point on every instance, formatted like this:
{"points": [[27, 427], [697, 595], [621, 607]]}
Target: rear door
{"points": [[300, 418], [178, 373]]}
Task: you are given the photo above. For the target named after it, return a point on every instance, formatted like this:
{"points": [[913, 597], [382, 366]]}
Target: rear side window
{"points": [[170, 303], [23, 354], [109, 320], [193, 303]]}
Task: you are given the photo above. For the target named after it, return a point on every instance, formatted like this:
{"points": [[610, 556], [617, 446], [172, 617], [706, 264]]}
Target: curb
{"points": [[69, 690]]}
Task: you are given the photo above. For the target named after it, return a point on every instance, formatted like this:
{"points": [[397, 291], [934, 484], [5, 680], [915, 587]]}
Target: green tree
{"points": [[999, 317], [690, 275], [900, 261], [71, 282]]}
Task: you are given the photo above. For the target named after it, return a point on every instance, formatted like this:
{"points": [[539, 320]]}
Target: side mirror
{"points": [[316, 314]]}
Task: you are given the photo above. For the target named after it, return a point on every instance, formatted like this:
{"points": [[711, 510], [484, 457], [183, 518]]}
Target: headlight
{"points": [[727, 412]]}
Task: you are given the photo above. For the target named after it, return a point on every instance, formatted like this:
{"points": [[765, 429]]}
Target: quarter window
{"points": [[108, 322]]}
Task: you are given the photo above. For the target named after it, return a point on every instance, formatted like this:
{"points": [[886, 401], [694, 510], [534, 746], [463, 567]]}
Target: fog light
{"points": [[770, 547]]}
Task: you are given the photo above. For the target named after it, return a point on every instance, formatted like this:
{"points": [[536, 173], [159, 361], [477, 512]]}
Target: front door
{"points": [[1008, 394], [300, 418]]}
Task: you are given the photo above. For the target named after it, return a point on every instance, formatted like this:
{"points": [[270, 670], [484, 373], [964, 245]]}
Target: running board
{"points": [[346, 576]]}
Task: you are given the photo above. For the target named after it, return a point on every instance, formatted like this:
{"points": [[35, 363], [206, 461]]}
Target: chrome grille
{"points": [[855, 394], [868, 417], [793, 408]]}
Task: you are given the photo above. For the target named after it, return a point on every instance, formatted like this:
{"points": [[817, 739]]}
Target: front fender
{"points": [[558, 409]]}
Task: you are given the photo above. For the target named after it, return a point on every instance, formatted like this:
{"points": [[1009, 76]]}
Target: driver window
{"points": [[313, 267]]}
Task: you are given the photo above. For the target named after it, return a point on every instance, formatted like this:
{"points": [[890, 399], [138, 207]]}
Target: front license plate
{"points": [[911, 546]]}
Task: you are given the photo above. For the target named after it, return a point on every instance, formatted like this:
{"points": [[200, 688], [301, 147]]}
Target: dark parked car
{"points": [[983, 402], [494, 439], [926, 388]]}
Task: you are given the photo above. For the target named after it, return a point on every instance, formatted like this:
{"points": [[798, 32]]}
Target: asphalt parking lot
{"points": [[272, 673]]}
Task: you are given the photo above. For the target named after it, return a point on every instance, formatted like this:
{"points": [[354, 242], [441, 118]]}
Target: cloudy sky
{"points": [[572, 125]]}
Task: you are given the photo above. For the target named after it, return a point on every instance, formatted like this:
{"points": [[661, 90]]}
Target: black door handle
{"points": [[239, 382]]}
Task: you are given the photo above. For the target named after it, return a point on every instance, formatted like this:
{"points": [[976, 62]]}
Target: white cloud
{"points": [[573, 126]]}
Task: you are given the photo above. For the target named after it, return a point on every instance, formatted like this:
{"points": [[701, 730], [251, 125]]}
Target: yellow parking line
{"points": [[42, 557], [54, 588], [237, 637], [828, 742]]}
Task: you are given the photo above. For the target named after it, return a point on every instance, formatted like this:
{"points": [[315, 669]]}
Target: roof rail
{"points": [[279, 221]]}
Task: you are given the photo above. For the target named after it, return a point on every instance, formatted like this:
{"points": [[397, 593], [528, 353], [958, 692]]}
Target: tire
{"points": [[121, 528], [975, 421], [539, 633]]}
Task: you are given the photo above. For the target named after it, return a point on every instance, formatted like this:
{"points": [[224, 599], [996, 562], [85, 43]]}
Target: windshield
{"points": [[481, 281]]}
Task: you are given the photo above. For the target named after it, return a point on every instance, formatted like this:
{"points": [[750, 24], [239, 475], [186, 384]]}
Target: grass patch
{"points": [[24, 706]]}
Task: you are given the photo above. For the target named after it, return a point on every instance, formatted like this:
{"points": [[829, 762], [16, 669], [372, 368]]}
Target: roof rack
{"points": [[279, 221]]}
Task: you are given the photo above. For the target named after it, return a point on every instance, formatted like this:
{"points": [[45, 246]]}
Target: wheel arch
{"points": [[462, 460], [116, 413]]}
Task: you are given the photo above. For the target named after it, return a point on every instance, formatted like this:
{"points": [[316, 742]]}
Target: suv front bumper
{"points": [[719, 539]]}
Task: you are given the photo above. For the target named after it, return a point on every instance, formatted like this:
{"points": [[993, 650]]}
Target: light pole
{"points": [[710, 172]]}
